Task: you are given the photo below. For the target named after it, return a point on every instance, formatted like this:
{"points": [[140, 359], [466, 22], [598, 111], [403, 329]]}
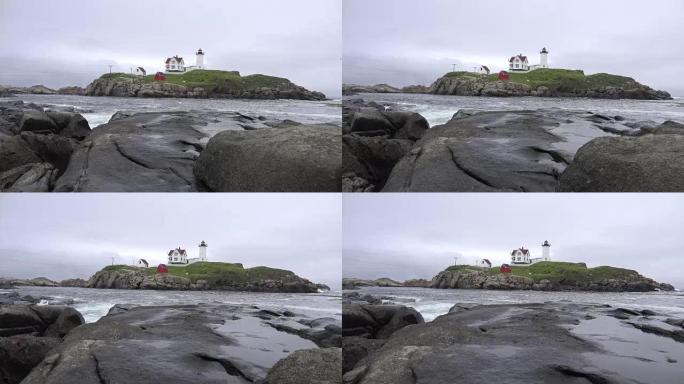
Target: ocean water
{"points": [[436, 302], [98, 110], [95, 303], [438, 109]]}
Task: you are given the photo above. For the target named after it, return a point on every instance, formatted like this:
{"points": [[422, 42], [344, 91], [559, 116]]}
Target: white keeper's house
{"points": [[519, 63], [179, 256], [176, 64], [523, 257]]}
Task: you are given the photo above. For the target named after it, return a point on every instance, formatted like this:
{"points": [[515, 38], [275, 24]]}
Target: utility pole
{"points": [[110, 69], [113, 259], [474, 69], [455, 260], [453, 67]]}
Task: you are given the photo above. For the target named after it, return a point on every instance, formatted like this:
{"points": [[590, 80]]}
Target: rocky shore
{"points": [[164, 152], [521, 343], [208, 343], [543, 150], [354, 283]]}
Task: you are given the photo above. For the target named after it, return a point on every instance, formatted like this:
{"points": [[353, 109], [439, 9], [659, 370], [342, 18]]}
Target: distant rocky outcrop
{"points": [[205, 83], [35, 90], [546, 83], [498, 151], [353, 89], [419, 283], [78, 91], [415, 89], [353, 283], [75, 283], [223, 276], [208, 343], [548, 276], [374, 140], [36, 282], [290, 158], [28, 333]]}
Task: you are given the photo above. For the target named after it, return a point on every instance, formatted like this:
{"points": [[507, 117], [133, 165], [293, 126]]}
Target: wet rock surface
{"points": [[557, 343], [308, 366], [508, 151], [194, 343], [54, 150]]}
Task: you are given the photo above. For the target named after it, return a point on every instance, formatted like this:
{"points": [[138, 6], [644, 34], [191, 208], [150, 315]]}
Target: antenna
{"points": [[455, 260], [113, 257], [453, 67], [110, 69]]}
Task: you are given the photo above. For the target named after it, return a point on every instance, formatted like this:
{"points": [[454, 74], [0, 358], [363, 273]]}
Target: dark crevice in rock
{"points": [[128, 157], [198, 147], [556, 156], [467, 171], [84, 169], [227, 365], [188, 182], [592, 377], [98, 372]]}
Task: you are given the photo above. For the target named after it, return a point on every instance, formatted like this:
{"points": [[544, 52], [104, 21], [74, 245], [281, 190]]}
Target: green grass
{"points": [[557, 79], [224, 272], [212, 81], [558, 272]]}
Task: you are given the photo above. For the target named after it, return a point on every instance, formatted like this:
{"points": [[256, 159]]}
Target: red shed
{"points": [[503, 75], [161, 268], [505, 268], [159, 76]]}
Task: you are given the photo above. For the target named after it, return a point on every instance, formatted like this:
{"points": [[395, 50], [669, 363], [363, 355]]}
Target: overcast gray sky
{"points": [[71, 42], [404, 236], [65, 235], [404, 42]]}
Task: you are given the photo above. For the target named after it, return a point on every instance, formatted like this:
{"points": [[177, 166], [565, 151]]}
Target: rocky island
{"points": [[542, 150], [541, 276], [543, 82], [44, 151], [203, 276], [200, 83]]}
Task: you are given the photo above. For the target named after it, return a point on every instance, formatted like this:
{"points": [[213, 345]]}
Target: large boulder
{"points": [[377, 321], [67, 320], [303, 158], [38, 122], [650, 163], [308, 366], [15, 152], [19, 354]]}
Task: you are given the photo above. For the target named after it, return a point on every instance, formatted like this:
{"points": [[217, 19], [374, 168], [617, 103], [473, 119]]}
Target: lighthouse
{"points": [[543, 58], [203, 251], [199, 59], [546, 249]]}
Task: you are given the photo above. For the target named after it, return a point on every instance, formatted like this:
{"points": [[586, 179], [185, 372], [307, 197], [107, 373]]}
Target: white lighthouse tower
{"points": [[199, 59], [546, 249], [203, 251], [543, 58]]}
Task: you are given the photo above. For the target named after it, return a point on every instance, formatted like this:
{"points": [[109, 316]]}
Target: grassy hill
{"points": [[213, 81], [559, 272], [216, 273], [562, 80]]}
